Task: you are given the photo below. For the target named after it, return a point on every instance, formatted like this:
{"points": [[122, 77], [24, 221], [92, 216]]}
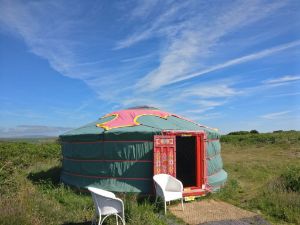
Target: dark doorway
{"points": [[186, 160]]}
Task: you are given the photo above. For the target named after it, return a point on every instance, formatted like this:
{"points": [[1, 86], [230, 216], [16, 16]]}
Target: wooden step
{"points": [[197, 192]]}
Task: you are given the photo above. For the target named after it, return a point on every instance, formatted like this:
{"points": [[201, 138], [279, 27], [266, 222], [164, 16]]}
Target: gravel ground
{"points": [[211, 212]]}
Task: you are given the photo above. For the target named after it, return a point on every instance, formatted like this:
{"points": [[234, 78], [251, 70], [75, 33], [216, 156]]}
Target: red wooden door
{"points": [[164, 155]]}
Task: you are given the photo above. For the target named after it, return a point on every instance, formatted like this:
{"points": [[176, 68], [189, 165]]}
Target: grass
{"points": [[264, 174], [30, 191], [264, 177]]}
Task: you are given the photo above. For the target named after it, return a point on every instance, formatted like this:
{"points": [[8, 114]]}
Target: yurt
{"points": [[122, 150]]}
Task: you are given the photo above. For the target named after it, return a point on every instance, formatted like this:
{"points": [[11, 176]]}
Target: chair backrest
{"points": [[101, 192], [105, 202], [168, 182], [162, 179]]}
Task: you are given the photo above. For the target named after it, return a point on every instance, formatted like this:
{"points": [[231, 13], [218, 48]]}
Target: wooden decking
{"points": [[194, 192]]}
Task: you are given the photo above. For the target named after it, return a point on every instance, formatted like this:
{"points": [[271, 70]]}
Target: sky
{"points": [[232, 65]]}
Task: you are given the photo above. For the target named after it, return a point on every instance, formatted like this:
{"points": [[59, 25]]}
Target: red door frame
{"points": [[200, 153]]}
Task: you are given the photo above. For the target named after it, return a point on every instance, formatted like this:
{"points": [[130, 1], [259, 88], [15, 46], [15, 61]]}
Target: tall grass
{"points": [[30, 191], [281, 138], [280, 198], [263, 177], [264, 174]]}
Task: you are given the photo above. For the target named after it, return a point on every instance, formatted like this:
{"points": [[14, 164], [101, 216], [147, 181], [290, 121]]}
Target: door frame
{"points": [[200, 153]]}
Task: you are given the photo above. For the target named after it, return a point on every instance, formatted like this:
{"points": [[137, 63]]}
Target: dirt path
{"points": [[211, 212]]}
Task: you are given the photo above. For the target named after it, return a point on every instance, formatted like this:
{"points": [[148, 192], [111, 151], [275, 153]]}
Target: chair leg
{"points": [[123, 217], [165, 207], [99, 223], [123, 220], [182, 204]]}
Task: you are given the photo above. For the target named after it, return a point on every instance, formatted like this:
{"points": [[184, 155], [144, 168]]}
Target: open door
{"points": [[182, 155], [186, 160], [164, 155]]}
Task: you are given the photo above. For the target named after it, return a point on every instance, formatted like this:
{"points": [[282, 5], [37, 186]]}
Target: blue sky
{"points": [[233, 65]]}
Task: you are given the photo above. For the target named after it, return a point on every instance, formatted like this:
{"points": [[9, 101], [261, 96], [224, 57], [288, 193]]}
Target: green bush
{"points": [[17, 156], [238, 133], [280, 198], [291, 179], [240, 138], [279, 204], [23, 154]]}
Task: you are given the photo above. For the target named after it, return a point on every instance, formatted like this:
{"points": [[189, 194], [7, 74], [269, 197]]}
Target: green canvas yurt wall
{"points": [[121, 159]]}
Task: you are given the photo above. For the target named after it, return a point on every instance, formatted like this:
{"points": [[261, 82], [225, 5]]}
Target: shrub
{"points": [[238, 132], [254, 132], [240, 138], [291, 178], [280, 198]]}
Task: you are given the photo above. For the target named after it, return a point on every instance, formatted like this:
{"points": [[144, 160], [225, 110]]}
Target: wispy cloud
{"points": [[160, 25], [207, 90], [188, 40], [283, 79], [31, 130], [138, 58], [206, 117], [284, 94], [162, 44], [49, 40], [24, 113], [154, 81], [275, 115], [196, 42], [203, 106], [188, 100], [143, 9], [65, 39], [208, 96]]}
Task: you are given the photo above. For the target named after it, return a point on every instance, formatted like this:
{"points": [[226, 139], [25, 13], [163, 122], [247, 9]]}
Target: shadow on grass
{"points": [[51, 176]]}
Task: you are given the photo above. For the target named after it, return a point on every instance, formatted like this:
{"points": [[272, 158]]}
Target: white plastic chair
{"points": [[168, 188], [106, 204]]}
